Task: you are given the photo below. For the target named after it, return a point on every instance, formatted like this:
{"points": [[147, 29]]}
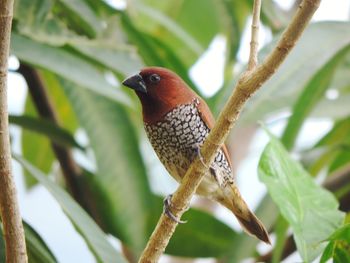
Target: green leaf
{"points": [[47, 128], [309, 97], [304, 60], [84, 15], [310, 210], [338, 247], [66, 64], [121, 60], [92, 234], [38, 251], [338, 133], [2, 246], [281, 228], [31, 12], [155, 52], [202, 236], [332, 149], [41, 21], [341, 160], [336, 107], [121, 171], [36, 148], [172, 23]]}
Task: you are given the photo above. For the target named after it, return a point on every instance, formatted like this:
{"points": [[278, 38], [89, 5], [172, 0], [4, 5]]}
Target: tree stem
{"points": [[254, 42], [9, 208]]}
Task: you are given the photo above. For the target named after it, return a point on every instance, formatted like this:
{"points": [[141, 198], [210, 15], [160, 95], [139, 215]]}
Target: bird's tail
{"points": [[249, 222]]}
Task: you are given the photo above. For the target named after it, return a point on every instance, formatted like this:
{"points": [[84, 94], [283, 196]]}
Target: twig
{"points": [[71, 171], [9, 209], [254, 40], [245, 87]]}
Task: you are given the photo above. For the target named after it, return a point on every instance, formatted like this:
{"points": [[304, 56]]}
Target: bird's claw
{"points": [[198, 153], [166, 210]]}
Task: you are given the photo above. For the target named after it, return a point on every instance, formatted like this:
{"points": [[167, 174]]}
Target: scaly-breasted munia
{"points": [[177, 121]]}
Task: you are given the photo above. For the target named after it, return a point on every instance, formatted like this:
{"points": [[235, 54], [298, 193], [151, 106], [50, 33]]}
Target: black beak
{"points": [[136, 83]]}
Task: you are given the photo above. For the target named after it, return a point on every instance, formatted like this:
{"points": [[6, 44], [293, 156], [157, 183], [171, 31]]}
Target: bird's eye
{"points": [[155, 78]]}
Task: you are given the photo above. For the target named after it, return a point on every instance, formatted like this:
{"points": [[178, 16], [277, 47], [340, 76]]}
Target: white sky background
{"points": [[42, 212]]}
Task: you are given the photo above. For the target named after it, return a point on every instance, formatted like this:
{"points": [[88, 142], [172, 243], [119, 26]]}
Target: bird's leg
{"points": [[166, 210], [213, 173], [211, 169], [198, 153]]}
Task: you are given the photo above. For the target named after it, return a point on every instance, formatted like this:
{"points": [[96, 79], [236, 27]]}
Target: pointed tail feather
{"points": [[249, 222], [253, 226]]}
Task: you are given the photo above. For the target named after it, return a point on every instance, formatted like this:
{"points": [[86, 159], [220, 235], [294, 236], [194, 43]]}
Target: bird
{"points": [[177, 121]]}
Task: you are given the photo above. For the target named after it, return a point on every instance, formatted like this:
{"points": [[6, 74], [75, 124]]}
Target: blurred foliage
{"points": [[311, 211], [338, 248], [83, 49]]}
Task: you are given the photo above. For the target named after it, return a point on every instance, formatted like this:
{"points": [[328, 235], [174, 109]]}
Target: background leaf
{"points": [[95, 238], [65, 64], [310, 210], [121, 170], [47, 128], [310, 96], [38, 251], [338, 248], [2, 246], [85, 16], [202, 236], [279, 93]]}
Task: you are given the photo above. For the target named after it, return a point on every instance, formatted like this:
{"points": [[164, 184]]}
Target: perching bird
{"points": [[177, 121]]}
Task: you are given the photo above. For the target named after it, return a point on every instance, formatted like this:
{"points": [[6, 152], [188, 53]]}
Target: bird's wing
{"points": [[209, 120]]}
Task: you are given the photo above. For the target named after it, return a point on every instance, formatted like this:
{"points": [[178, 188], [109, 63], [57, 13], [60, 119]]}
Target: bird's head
{"points": [[159, 90]]}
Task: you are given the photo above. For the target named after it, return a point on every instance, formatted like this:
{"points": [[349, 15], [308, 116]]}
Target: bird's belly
{"points": [[176, 141]]}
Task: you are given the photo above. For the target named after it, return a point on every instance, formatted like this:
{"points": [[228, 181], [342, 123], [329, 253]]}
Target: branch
{"points": [[245, 87], [254, 42], [9, 208], [71, 171]]}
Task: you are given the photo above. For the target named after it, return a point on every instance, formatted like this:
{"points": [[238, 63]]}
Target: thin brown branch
{"points": [[71, 171], [254, 39], [246, 86], [9, 208]]}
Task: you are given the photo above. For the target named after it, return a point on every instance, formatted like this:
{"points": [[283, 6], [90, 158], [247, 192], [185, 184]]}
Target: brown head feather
{"points": [[163, 96]]}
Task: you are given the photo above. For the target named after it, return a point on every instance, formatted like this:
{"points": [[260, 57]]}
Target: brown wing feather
{"points": [[208, 118]]}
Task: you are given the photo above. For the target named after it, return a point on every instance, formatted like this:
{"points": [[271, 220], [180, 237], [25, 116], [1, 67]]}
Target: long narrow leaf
{"points": [[282, 90], [93, 235], [66, 64], [121, 171], [47, 128], [38, 251], [310, 96]]}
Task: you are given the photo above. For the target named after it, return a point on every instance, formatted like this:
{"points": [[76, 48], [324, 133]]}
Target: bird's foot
{"points": [[166, 210], [213, 173]]}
